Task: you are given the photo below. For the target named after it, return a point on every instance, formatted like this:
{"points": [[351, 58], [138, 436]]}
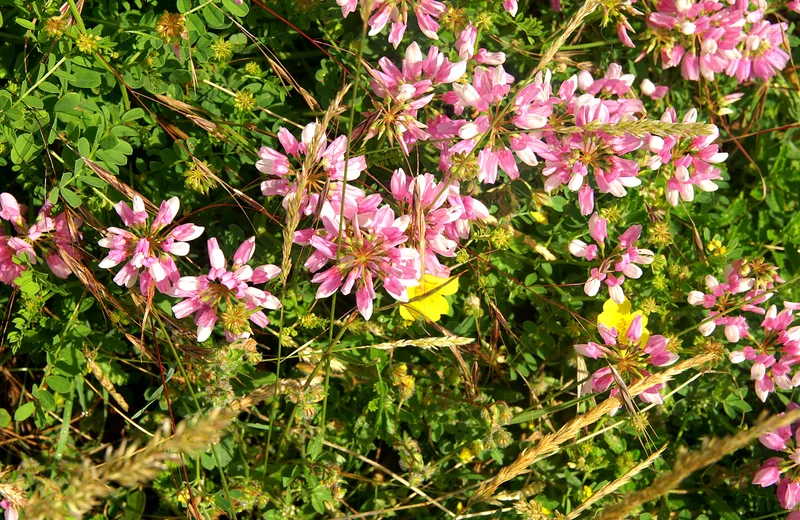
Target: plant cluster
{"points": [[496, 264]]}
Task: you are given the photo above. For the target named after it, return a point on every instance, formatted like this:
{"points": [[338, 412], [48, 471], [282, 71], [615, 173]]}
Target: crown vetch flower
{"points": [[629, 350], [440, 216], [785, 470], [709, 38], [620, 262], [148, 250], [369, 251], [47, 233], [314, 157], [226, 294]]}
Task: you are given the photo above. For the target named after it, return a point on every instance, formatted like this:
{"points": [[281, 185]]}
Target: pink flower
{"points": [[226, 294], [622, 32], [510, 6], [148, 251], [369, 251], [634, 351], [9, 511], [48, 234], [327, 163], [618, 264], [769, 474], [465, 43], [652, 91]]}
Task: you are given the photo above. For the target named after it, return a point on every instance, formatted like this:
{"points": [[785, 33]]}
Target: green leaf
{"points": [[236, 9], [67, 102], [24, 411], [45, 398], [24, 149], [27, 24], [5, 418], [71, 197], [53, 196], [132, 115], [60, 384], [92, 181], [85, 78], [134, 505], [71, 362]]}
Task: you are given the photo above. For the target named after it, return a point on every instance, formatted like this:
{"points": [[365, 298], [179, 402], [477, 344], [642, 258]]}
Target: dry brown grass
{"points": [[550, 443], [688, 463]]}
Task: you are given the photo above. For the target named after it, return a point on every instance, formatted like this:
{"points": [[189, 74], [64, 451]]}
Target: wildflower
{"points": [[170, 27], [721, 299], [652, 91], [369, 250], [149, 249], [223, 49], [621, 262], [23, 246], [396, 12], [226, 294], [629, 351], [785, 470], [431, 303], [733, 39], [10, 511], [252, 68], [690, 163], [313, 159], [88, 43], [196, 178], [244, 100], [775, 356]]}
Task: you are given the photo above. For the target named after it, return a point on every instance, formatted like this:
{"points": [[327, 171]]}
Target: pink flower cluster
{"points": [[774, 349], [708, 37], [630, 355], [620, 262], [314, 158], [784, 470], [395, 12], [47, 233], [779, 339], [688, 164], [227, 294], [722, 302], [148, 250]]}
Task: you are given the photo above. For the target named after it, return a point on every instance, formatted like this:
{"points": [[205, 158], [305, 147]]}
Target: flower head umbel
{"points": [[48, 234], [147, 249], [723, 302], [226, 294], [620, 262], [440, 216], [396, 12], [709, 38], [312, 161], [775, 356], [369, 251], [629, 350], [686, 163], [783, 470]]}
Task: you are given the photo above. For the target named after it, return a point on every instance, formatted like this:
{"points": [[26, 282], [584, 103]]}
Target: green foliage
{"points": [[175, 99]]}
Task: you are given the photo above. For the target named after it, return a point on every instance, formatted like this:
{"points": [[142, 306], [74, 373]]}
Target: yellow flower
{"points": [[619, 316], [466, 455], [434, 304], [587, 493]]}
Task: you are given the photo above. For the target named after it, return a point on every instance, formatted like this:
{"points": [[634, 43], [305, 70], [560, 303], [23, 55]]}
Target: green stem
{"points": [[214, 451], [63, 434]]}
